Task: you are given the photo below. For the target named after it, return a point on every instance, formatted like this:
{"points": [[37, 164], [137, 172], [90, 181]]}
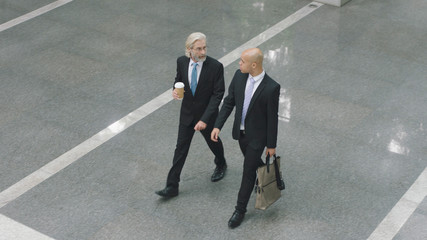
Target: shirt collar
{"points": [[258, 77], [192, 62]]}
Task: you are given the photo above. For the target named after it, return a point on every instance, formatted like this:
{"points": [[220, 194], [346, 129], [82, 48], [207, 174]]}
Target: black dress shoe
{"points": [[219, 173], [168, 192], [236, 219]]}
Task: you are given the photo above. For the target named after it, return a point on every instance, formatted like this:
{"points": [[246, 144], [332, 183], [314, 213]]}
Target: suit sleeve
{"points": [[217, 94], [178, 77], [227, 106], [272, 117]]}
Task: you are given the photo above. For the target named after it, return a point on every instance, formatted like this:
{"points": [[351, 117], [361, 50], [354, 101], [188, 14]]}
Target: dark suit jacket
{"points": [[209, 92], [261, 123]]}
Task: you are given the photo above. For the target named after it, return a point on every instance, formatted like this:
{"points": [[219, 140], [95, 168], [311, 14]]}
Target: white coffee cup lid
{"points": [[179, 85]]}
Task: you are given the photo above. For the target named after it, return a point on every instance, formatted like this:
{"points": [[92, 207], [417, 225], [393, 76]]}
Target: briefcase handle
{"points": [[279, 180]]}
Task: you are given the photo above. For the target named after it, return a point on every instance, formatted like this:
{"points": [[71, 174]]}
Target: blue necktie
{"points": [[248, 96], [194, 78]]}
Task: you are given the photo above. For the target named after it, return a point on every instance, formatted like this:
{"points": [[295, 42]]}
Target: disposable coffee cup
{"points": [[179, 87]]}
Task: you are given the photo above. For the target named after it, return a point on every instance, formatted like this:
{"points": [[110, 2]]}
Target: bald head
{"points": [[251, 61], [254, 55]]}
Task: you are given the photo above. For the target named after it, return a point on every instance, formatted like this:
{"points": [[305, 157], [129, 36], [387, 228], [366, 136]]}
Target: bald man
{"points": [[256, 99]]}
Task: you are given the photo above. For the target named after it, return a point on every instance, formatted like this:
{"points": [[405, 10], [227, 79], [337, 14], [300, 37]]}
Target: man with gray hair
{"points": [[203, 79]]}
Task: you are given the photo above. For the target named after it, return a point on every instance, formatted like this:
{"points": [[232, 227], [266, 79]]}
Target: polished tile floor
{"points": [[352, 123]]}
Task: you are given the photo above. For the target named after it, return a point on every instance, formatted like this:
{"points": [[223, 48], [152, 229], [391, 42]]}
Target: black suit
{"points": [[261, 126], [203, 106]]}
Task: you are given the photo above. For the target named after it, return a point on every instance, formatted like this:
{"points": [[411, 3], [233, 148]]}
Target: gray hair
{"points": [[190, 41]]}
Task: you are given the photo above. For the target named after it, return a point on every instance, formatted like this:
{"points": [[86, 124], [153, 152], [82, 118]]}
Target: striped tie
{"points": [[248, 96], [194, 78]]}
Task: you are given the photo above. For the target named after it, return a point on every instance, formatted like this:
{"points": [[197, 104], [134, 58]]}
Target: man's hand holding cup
{"points": [[178, 92]]}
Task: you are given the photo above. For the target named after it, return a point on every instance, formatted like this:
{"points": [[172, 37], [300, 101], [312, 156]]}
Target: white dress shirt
{"points": [[258, 79], [190, 70]]}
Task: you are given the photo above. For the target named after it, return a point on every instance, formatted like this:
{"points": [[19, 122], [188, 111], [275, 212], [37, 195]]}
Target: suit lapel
{"points": [[202, 77], [256, 93], [185, 73], [241, 94]]}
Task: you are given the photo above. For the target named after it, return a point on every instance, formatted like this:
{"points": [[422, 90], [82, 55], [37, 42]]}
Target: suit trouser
{"points": [[251, 163], [185, 135]]}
